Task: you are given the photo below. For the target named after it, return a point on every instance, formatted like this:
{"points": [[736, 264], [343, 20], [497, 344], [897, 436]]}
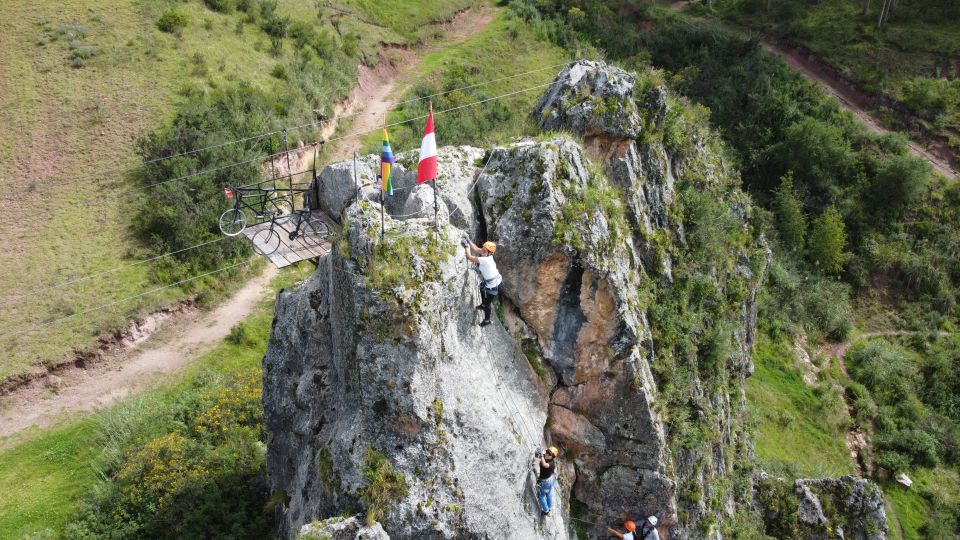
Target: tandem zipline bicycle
{"points": [[260, 203]]}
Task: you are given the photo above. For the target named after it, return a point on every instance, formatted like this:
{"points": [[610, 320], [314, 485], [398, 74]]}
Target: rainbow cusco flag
{"points": [[386, 161]]}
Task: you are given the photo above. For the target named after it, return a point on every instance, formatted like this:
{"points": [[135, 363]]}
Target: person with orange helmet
{"points": [[648, 530], [490, 286], [547, 479]]}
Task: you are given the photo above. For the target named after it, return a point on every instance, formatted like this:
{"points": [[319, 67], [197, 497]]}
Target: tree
{"points": [[819, 154], [898, 183], [827, 240], [791, 222]]}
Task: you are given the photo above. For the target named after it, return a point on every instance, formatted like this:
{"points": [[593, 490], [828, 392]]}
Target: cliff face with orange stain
{"points": [[630, 269]]}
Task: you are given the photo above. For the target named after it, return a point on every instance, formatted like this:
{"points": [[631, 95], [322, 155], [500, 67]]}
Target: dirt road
{"points": [[846, 98], [83, 390], [375, 91], [844, 95], [131, 371]]}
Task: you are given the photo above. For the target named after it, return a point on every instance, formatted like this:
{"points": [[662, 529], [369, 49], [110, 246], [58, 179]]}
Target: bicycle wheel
{"points": [[282, 206], [266, 241], [232, 222], [315, 230]]}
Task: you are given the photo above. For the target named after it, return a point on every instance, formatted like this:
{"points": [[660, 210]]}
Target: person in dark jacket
{"points": [[547, 479]]}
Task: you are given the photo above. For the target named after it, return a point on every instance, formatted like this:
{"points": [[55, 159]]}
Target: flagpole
{"points": [[436, 188], [383, 226]]}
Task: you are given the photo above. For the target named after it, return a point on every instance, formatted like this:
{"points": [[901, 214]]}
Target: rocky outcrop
{"points": [[339, 528], [822, 508], [568, 267], [591, 97], [630, 278], [671, 416], [338, 185], [378, 380]]}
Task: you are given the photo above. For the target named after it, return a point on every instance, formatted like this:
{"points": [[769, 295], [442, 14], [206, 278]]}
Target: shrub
{"points": [[194, 469], [929, 97], [384, 485], [791, 223], [828, 238], [172, 22], [222, 6], [885, 369], [892, 461], [898, 183], [302, 33], [239, 336], [279, 71]]}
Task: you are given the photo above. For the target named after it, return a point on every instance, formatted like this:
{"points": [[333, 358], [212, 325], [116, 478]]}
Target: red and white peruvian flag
{"points": [[427, 169]]}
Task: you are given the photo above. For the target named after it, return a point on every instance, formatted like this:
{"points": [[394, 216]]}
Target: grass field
{"points": [[909, 512], [798, 432], [45, 473], [64, 124]]}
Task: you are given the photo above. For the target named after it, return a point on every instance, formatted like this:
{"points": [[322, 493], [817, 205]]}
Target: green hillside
{"points": [[83, 81], [913, 56]]}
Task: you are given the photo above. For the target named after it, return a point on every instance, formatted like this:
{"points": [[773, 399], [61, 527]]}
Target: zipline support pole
{"points": [[314, 185], [383, 184], [436, 187], [286, 151], [273, 167], [356, 181], [383, 225]]}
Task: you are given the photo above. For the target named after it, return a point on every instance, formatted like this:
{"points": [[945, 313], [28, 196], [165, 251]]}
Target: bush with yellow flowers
{"points": [[198, 471]]}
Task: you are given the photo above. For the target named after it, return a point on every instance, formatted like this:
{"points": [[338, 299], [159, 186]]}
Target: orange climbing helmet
{"points": [[553, 451], [630, 526], [490, 246]]}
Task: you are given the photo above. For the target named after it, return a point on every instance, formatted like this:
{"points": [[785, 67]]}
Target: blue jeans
{"points": [[545, 493]]}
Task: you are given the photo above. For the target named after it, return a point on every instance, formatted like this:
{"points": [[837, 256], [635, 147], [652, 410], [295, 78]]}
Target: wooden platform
{"points": [[289, 251]]}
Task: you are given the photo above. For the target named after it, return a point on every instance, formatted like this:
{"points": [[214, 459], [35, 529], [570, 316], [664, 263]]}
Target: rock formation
{"points": [[822, 508], [631, 271]]}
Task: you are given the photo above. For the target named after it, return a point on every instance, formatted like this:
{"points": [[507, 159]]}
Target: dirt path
{"points": [[376, 87], [847, 97], [134, 369], [859, 441]]}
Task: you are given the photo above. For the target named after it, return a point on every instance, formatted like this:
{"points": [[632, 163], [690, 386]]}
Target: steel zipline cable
{"points": [[112, 270], [360, 132], [120, 301], [278, 154], [263, 135]]}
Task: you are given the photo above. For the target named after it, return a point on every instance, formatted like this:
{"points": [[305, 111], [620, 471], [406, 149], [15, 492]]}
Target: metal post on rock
{"points": [[383, 226], [314, 183], [356, 182], [436, 187], [273, 167], [286, 150], [383, 186]]}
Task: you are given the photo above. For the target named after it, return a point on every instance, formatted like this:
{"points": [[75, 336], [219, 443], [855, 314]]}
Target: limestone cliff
{"points": [[631, 269]]}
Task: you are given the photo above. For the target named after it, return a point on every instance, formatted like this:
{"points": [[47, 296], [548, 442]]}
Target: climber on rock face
{"points": [[648, 530], [490, 287], [631, 528], [547, 478]]}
